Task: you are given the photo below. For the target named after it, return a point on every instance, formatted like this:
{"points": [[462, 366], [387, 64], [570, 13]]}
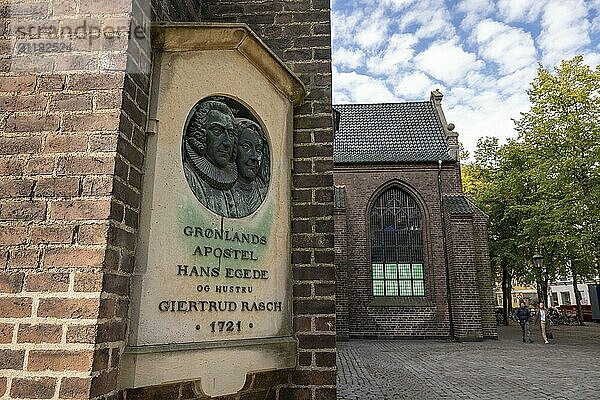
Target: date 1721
{"points": [[225, 326]]}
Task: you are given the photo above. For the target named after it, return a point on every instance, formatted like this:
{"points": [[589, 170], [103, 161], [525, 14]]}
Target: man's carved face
{"points": [[219, 138]]}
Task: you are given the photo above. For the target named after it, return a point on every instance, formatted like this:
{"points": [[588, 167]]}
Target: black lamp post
{"points": [[538, 262]]}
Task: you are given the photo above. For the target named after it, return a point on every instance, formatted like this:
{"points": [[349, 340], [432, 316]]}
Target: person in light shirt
{"points": [[543, 319]]}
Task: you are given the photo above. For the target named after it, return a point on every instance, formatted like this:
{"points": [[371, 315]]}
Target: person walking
{"points": [[542, 318], [523, 316]]}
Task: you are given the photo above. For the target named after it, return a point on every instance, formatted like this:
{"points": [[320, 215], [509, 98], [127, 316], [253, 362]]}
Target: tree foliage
{"points": [[542, 191]]}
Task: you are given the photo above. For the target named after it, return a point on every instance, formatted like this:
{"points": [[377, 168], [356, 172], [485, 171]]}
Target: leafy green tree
{"points": [[562, 134], [496, 183], [542, 191]]}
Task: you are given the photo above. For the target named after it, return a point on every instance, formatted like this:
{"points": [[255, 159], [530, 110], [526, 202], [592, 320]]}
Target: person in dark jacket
{"points": [[523, 316]]}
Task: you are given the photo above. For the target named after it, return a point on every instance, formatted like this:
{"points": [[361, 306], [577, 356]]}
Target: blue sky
{"points": [[481, 54]]}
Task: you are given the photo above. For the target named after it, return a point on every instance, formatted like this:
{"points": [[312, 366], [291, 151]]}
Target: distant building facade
{"points": [[411, 250]]}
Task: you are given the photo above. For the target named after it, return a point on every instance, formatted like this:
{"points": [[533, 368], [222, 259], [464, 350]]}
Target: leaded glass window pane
{"points": [[404, 271], [397, 245], [417, 271], [391, 288], [378, 288], [377, 271], [391, 271], [405, 288], [418, 288]]}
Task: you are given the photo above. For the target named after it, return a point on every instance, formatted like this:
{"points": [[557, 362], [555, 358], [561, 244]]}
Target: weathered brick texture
{"points": [[71, 162], [484, 275], [463, 238], [341, 269], [466, 309], [299, 33], [60, 123]]}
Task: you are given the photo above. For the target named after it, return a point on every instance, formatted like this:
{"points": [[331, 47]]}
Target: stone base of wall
{"points": [[263, 385]]}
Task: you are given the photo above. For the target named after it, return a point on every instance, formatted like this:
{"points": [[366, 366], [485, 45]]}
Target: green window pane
{"points": [[418, 288], [404, 271], [391, 288], [378, 288], [377, 271], [404, 288], [391, 271], [417, 271]]}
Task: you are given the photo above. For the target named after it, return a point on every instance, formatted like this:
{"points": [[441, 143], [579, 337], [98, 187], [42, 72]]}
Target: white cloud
{"points": [[518, 81], [352, 87], [484, 113], [595, 8], [476, 6], [416, 86], [474, 11], [373, 30], [520, 10], [349, 58], [399, 52], [564, 30], [396, 5], [431, 17], [510, 48], [447, 61], [592, 59], [345, 26], [479, 79], [366, 27]]}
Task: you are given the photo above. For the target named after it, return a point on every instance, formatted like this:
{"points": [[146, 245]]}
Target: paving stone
{"points": [[499, 369]]}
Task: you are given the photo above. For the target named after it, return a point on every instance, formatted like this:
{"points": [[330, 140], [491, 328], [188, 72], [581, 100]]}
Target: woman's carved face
{"points": [[249, 154]]}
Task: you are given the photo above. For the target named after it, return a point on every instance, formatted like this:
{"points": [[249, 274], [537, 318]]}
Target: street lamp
{"points": [[538, 261]]}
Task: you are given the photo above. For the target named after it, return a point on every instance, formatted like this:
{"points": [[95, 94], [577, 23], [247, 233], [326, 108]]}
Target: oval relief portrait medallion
{"points": [[226, 157]]}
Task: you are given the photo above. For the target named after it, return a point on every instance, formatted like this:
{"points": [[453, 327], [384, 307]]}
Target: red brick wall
{"points": [[484, 275], [64, 282], [299, 33], [341, 274], [362, 182], [468, 259], [71, 162], [466, 308]]}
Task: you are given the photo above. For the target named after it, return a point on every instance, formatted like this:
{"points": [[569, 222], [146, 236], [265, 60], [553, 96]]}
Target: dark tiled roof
{"points": [[457, 204], [390, 132]]}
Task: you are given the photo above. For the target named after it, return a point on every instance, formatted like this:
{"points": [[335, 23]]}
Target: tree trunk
{"points": [[506, 292], [545, 290], [577, 298]]}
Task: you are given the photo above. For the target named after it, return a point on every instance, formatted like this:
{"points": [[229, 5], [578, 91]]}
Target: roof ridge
{"points": [[385, 103]]}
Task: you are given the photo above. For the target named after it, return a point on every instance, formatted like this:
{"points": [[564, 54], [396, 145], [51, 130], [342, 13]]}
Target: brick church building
{"points": [[411, 250]]}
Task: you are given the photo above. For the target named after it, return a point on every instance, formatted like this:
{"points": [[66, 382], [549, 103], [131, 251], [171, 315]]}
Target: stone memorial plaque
{"points": [[217, 263], [212, 280]]}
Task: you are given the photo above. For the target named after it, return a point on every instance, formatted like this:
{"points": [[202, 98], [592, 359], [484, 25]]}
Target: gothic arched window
{"points": [[397, 245]]}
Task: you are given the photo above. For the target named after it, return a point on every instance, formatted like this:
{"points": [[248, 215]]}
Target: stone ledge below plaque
{"points": [[220, 367]]}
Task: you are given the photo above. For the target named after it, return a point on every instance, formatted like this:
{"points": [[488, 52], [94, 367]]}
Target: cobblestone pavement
{"points": [[567, 368]]}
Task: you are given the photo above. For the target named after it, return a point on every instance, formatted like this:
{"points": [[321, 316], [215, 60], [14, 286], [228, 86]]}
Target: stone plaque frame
{"points": [[221, 60]]}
